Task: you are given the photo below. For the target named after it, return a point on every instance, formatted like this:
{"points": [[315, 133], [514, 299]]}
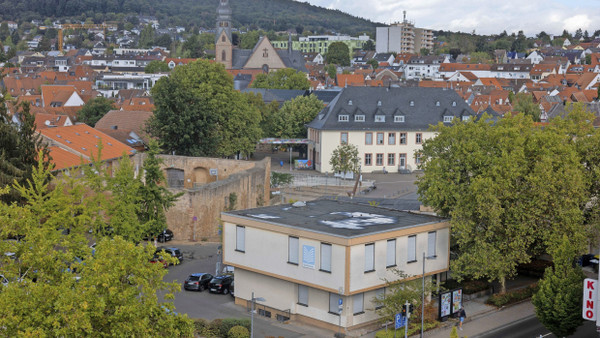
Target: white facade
{"points": [[302, 274]]}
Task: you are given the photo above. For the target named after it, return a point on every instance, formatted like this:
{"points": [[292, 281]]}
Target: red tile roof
{"points": [[63, 159]]}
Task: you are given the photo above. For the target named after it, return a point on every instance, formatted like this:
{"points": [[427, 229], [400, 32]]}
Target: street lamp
{"points": [[259, 299], [423, 293]]}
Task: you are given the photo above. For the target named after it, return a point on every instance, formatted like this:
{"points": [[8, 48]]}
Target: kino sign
{"points": [[590, 298]]}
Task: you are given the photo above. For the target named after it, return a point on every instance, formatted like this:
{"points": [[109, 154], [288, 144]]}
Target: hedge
{"points": [[501, 299]]}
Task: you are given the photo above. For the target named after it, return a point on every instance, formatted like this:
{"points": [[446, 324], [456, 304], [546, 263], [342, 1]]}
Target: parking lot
{"points": [[202, 257]]}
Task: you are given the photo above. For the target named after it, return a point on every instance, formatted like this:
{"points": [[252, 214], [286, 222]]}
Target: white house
{"points": [[308, 258]]}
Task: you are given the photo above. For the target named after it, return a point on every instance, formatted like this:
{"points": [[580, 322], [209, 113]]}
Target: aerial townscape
{"points": [[277, 168]]}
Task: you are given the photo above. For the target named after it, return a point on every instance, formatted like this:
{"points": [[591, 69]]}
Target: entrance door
{"points": [[402, 161]]}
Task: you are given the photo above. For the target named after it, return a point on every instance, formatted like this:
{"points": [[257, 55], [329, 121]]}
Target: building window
{"points": [[380, 295], [224, 56], [370, 257], [412, 103], [448, 119], [391, 253], [379, 118], [344, 138], [359, 118], [379, 159], [303, 295], [368, 159], [391, 159], [391, 138], [418, 158], [358, 302], [453, 103], [412, 249], [402, 138], [368, 138], [334, 300], [399, 119], [325, 257], [466, 118], [349, 102], [418, 138], [431, 244], [343, 118], [293, 249], [240, 238], [380, 137], [378, 103], [437, 103]]}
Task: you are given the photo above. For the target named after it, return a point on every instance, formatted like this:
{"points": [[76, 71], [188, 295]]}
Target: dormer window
{"points": [[448, 119], [437, 103], [379, 118], [399, 119], [466, 117], [359, 118], [378, 103], [453, 103], [343, 118], [412, 103], [349, 102]]}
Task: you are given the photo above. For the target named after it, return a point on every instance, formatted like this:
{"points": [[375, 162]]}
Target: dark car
{"points": [[197, 281], [221, 284], [175, 252], [232, 289], [158, 259], [165, 236]]}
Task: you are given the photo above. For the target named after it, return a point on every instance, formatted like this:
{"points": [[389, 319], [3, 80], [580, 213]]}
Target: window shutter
{"points": [[412, 248], [240, 244], [303, 294], [333, 303], [391, 253], [357, 303], [293, 248], [431, 244], [370, 257], [325, 257]]}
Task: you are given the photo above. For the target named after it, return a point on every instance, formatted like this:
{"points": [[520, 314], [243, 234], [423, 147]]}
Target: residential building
{"points": [[387, 125], [320, 43], [323, 262], [403, 37]]}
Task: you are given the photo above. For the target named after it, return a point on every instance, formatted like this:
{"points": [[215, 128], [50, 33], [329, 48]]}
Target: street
{"points": [[530, 327]]}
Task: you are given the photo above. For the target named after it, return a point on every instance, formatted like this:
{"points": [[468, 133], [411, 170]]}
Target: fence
{"points": [[308, 180]]}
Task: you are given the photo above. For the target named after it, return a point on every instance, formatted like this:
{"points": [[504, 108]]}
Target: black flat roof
{"points": [[337, 218]]}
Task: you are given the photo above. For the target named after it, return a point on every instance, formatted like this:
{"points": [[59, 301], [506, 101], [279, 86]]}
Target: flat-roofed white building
{"points": [[304, 259]]}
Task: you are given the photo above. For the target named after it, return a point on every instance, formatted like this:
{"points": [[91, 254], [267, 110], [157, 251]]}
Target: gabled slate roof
{"points": [[390, 102]]}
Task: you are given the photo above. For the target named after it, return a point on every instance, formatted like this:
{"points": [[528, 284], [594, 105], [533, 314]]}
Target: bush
{"points": [[510, 297], [227, 324], [412, 329], [238, 332]]}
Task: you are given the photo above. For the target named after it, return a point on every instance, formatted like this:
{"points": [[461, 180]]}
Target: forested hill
{"points": [[277, 15]]}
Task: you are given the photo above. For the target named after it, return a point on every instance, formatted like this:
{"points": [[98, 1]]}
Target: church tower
{"points": [[223, 44]]}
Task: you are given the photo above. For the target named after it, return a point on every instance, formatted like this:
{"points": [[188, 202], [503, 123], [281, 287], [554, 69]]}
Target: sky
{"points": [[483, 16]]}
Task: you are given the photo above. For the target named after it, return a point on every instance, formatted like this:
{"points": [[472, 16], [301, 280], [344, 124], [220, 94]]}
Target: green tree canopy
{"points": [[156, 66], [338, 53], [94, 110], [523, 103], [146, 37], [290, 120], [373, 63], [344, 159], [59, 286], [558, 300], [286, 78], [503, 185], [198, 113]]}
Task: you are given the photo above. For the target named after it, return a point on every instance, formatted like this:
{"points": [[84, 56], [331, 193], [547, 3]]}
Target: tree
{"points": [[4, 31], [60, 287], [558, 300], [154, 198], [424, 51], [156, 66], [369, 45], [523, 103], [374, 64], [480, 57], [146, 37], [198, 112], [501, 185], [290, 120], [21, 145], [249, 40], [163, 40], [345, 159], [287, 78], [94, 110], [338, 53], [331, 71]]}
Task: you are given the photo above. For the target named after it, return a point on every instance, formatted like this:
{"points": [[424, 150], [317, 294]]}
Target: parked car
{"points": [[197, 281], [221, 284], [175, 252], [165, 236], [232, 289], [158, 259]]}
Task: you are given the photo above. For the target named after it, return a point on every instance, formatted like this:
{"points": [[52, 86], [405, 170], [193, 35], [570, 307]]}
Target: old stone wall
{"points": [[204, 198]]}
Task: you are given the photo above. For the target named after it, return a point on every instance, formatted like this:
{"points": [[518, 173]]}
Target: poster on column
{"points": [[445, 304], [456, 300]]}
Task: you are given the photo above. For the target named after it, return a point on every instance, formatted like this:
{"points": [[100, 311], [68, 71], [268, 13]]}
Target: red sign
{"points": [[590, 298]]}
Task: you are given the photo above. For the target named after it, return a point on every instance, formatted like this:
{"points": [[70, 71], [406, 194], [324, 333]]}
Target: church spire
{"points": [[224, 19]]}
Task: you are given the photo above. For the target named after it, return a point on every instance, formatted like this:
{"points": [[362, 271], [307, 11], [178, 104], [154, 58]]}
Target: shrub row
{"points": [[510, 297], [412, 329], [219, 327]]}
